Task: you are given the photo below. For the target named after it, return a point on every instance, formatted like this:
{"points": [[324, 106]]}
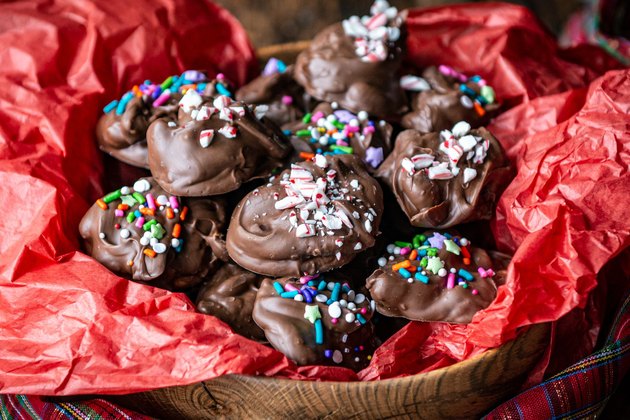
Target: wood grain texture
{"points": [[466, 390]]}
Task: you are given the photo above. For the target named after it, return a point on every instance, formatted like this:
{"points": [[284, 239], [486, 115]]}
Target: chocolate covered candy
{"points": [[443, 96], [436, 277], [276, 89], [121, 131], [355, 63], [145, 234], [444, 179], [316, 321], [338, 131], [312, 218], [229, 295], [212, 147]]}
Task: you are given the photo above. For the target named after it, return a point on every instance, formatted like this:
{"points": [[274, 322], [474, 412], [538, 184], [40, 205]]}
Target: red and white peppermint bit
{"points": [[371, 33], [226, 114], [414, 83], [469, 175], [423, 160], [304, 231], [288, 202], [228, 131], [408, 166], [190, 100], [439, 172], [240, 111], [221, 102], [204, 113], [299, 174], [205, 138]]}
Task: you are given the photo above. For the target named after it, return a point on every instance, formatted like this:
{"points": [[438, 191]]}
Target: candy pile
{"points": [[422, 259], [455, 143], [316, 197], [159, 94], [372, 33], [333, 133], [140, 212], [342, 305]]}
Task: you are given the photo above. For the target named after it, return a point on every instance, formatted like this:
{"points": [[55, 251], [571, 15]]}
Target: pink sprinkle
{"points": [[364, 311], [352, 128], [368, 130], [341, 143], [405, 251], [475, 292], [482, 272], [174, 202], [450, 283], [306, 279], [361, 348], [287, 100], [119, 213], [317, 116], [334, 320], [290, 287], [162, 98], [140, 222], [220, 76], [150, 201]]}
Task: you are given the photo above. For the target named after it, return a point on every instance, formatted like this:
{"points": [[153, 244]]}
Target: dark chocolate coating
{"points": [[395, 296], [440, 108], [182, 166], [270, 89], [442, 203], [288, 331], [229, 295], [201, 232], [331, 71], [262, 238], [380, 138], [124, 136]]}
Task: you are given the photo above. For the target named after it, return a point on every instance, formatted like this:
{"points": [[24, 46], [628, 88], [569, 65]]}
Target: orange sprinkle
{"points": [[479, 109], [182, 215], [149, 252], [170, 213], [177, 229], [136, 90], [101, 204], [413, 255], [306, 155], [402, 264], [467, 261], [412, 268], [130, 263], [123, 206], [147, 211]]}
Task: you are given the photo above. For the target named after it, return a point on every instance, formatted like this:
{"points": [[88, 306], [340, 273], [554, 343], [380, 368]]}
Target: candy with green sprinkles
{"points": [[128, 200], [157, 231], [114, 195], [311, 312], [139, 197], [147, 225], [451, 246]]}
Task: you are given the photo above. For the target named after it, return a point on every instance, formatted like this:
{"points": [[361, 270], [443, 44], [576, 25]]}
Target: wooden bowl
{"points": [[465, 390]]}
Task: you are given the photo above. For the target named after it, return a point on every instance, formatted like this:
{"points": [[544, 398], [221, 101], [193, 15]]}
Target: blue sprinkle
{"points": [[328, 353], [281, 66], [137, 213], [312, 283], [345, 288], [334, 296], [448, 235], [110, 106], [156, 93], [179, 247], [147, 82], [319, 332], [307, 296], [467, 90], [289, 295], [476, 78], [404, 272], [465, 274], [422, 253], [322, 285], [360, 317], [481, 100], [420, 277], [222, 90], [201, 86], [122, 105], [278, 287], [286, 132]]}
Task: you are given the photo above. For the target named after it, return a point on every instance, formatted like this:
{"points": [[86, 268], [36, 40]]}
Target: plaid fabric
{"points": [[32, 407], [583, 389]]}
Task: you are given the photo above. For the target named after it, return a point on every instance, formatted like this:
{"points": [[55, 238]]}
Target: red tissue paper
{"points": [[70, 326]]}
